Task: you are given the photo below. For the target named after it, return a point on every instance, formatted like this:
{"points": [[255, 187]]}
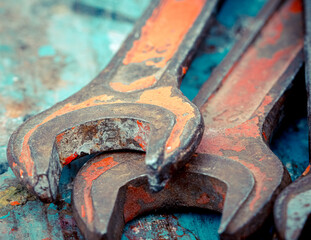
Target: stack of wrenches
{"points": [[135, 103]]}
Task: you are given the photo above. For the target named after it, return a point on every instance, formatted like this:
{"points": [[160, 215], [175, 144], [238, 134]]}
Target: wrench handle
{"points": [[161, 42]]}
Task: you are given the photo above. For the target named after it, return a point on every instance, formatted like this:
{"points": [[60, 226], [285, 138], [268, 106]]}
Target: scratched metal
{"points": [[69, 51]]}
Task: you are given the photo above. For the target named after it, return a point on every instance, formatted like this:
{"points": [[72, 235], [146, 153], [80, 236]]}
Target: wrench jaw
{"points": [[160, 172], [112, 189], [42, 145]]}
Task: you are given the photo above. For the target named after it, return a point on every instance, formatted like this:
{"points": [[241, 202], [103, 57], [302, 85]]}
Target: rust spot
{"points": [[142, 135], [92, 173], [265, 136], [134, 197], [203, 199]]}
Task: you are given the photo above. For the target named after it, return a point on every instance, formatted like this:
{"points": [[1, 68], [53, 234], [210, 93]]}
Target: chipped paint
{"points": [[92, 173], [139, 84], [132, 201], [163, 97], [172, 18]]}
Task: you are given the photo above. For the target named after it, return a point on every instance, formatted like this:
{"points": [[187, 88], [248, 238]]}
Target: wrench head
{"points": [[85, 124], [112, 189]]}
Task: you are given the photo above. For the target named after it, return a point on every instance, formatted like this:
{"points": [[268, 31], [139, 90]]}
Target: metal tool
{"points": [[134, 104], [293, 206], [233, 170]]}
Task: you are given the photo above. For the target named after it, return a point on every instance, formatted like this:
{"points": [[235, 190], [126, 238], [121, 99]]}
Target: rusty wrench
{"points": [[134, 104], [293, 206], [233, 170]]}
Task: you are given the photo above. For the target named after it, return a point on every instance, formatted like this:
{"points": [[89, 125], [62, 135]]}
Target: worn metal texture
{"points": [[292, 208], [240, 117], [50, 50], [139, 86]]}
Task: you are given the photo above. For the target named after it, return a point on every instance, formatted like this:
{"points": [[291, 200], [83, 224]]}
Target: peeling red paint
{"points": [[69, 159], [92, 173], [265, 136], [59, 137], [135, 196], [296, 7], [184, 70]]}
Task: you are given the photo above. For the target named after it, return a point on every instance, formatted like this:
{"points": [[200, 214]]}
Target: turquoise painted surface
{"points": [[59, 48]]}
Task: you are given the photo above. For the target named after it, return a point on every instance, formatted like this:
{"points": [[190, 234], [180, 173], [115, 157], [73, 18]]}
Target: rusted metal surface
{"points": [[133, 104], [293, 206], [233, 170]]}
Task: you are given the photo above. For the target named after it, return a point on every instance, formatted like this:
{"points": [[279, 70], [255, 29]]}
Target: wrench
{"points": [[292, 207], [133, 104], [233, 170]]}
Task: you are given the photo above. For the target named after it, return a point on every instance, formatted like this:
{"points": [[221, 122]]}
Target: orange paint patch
{"points": [[132, 203], [14, 164], [21, 173], [14, 203], [162, 97], [139, 84], [306, 171], [82, 211], [184, 70], [164, 31], [92, 173]]}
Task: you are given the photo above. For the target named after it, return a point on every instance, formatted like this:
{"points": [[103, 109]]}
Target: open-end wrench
{"points": [[293, 206], [134, 104], [233, 170]]}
